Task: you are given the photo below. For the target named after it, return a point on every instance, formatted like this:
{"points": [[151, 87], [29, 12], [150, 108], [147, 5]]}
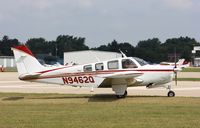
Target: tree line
{"points": [[152, 50]]}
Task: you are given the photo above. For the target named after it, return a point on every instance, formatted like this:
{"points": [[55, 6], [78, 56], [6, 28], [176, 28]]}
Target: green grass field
{"points": [[10, 69], [97, 111], [191, 69], [188, 79]]}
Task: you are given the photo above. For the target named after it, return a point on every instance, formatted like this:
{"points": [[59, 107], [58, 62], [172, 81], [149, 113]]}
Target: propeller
{"points": [[175, 67]]}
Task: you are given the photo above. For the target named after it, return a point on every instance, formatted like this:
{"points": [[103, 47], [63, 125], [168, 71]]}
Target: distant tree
{"points": [[114, 46], [127, 48], [66, 43], [38, 45], [63, 43], [101, 48], [149, 50], [6, 44], [183, 45]]}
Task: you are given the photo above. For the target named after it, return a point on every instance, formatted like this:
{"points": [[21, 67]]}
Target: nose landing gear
{"points": [[171, 94]]}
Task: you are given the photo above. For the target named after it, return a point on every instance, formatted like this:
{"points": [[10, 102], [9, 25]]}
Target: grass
{"points": [[10, 69], [188, 79], [99, 111], [191, 69]]}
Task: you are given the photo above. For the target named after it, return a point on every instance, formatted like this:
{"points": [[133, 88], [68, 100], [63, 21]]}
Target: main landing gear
{"points": [[122, 96]]}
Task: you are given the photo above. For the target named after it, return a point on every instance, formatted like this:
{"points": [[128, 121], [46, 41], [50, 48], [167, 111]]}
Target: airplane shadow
{"points": [[95, 97], [102, 98], [13, 98], [91, 98], [111, 97]]}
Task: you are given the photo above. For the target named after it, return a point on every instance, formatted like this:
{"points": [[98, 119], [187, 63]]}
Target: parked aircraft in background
{"points": [[181, 63], [1, 68], [118, 73]]}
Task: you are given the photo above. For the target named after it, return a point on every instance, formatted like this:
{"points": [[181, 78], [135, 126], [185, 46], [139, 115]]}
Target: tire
{"points": [[119, 96], [125, 93], [122, 96], [171, 94]]}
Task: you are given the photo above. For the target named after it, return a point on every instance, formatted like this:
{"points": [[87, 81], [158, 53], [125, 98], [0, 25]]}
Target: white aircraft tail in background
{"points": [[181, 63], [117, 73]]}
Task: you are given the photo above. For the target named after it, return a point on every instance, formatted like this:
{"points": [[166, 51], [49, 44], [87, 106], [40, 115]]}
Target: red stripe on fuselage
{"points": [[141, 70], [93, 73]]}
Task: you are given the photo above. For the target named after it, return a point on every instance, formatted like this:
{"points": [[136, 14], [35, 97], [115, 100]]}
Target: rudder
{"points": [[25, 60]]}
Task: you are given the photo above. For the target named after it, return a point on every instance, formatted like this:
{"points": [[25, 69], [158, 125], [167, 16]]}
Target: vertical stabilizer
{"points": [[181, 62], [25, 61]]}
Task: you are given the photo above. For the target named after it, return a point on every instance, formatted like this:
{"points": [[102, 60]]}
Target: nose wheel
{"points": [[171, 94]]}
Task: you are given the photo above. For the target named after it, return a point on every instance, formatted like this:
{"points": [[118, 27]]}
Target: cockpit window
{"points": [[99, 66], [127, 63], [113, 64], [141, 61], [87, 68]]}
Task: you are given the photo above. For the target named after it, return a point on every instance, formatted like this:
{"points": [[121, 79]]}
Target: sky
{"points": [[100, 21]]}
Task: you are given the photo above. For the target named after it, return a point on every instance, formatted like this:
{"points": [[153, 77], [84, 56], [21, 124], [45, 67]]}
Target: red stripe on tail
{"points": [[24, 49]]}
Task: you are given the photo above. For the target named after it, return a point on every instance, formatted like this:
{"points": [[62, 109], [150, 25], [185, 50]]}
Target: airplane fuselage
{"points": [[88, 75]]}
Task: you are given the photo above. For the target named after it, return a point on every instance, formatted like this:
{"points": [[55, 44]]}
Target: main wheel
{"points": [[125, 93], [171, 94], [122, 96]]}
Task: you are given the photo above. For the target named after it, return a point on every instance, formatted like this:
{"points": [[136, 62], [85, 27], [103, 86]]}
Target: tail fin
{"points": [[25, 61], [180, 62]]}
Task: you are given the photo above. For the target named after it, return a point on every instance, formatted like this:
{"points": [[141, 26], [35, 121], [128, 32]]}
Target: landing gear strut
{"points": [[122, 96], [170, 93]]}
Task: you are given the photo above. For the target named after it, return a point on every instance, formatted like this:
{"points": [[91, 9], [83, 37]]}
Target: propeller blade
{"points": [[175, 66], [176, 75], [175, 58]]}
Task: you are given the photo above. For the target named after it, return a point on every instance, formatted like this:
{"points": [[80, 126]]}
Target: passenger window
{"points": [[87, 68], [99, 66], [127, 63], [113, 64]]}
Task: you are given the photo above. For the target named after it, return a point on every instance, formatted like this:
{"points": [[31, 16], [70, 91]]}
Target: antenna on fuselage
{"points": [[123, 55]]}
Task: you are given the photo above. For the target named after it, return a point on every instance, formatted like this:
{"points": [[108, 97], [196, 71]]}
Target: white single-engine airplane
{"points": [[118, 73]]}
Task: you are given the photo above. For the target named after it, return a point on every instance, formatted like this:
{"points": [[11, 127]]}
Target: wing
{"points": [[120, 78], [127, 74]]}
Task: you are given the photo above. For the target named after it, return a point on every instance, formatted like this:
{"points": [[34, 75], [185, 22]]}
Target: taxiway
{"points": [[9, 83]]}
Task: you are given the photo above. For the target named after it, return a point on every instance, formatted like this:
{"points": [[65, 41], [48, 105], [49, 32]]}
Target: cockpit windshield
{"points": [[128, 63], [141, 61]]}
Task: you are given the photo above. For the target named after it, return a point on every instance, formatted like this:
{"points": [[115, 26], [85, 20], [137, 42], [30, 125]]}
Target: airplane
{"points": [[117, 73], [181, 63]]}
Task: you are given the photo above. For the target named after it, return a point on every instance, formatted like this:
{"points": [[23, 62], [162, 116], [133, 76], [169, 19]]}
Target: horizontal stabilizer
{"points": [[29, 76]]}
